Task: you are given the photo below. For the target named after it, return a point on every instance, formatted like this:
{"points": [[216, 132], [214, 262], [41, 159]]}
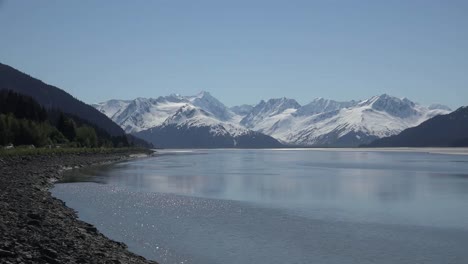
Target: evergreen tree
{"points": [[67, 127], [86, 137]]}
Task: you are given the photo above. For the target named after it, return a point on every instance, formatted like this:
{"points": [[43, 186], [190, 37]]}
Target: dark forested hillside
{"points": [[24, 122], [21, 106], [138, 142], [51, 97], [449, 130]]}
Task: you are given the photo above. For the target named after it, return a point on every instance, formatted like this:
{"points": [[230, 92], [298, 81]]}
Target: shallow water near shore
{"points": [[271, 206]]}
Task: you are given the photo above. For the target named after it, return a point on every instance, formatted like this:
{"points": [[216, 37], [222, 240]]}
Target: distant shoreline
{"points": [[37, 227], [432, 150]]}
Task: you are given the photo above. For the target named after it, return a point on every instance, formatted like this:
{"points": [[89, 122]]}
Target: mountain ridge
{"points": [[322, 122], [192, 127], [52, 97], [450, 130]]}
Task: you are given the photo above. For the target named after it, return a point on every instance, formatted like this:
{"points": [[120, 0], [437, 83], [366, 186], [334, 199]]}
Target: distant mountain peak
{"points": [[449, 130], [282, 104], [242, 110], [143, 113], [321, 105], [439, 106], [321, 122], [187, 111], [401, 107], [271, 107], [206, 101], [203, 93]]}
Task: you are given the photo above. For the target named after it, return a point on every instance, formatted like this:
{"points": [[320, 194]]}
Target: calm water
{"points": [[280, 206]]}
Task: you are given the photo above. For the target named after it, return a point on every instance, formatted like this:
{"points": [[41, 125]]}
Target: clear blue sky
{"points": [[242, 51]]}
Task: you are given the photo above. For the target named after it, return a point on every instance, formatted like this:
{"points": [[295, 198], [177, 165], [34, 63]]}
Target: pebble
{"points": [[37, 228]]}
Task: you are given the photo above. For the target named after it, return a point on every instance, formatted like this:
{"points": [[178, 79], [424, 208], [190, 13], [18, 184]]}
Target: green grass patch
{"points": [[24, 151]]}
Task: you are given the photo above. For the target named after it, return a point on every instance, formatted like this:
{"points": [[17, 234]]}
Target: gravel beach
{"points": [[38, 228]]}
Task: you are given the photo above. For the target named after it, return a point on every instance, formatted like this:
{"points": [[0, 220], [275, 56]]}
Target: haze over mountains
{"points": [[322, 122]]}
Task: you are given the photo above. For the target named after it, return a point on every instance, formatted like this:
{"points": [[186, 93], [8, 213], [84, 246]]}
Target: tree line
{"points": [[24, 122]]}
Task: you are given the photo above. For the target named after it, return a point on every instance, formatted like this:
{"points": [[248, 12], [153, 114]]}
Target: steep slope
{"points": [[144, 113], [321, 105], [265, 114], [52, 97], [112, 107], [206, 101], [450, 130], [242, 110], [321, 122], [192, 127], [23, 121], [377, 117], [340, 124], [280, 117]]}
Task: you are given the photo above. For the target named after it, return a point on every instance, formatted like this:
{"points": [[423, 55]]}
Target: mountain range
{"points": [[180, 121], [450, 130], [176, 121], [202, 121]]}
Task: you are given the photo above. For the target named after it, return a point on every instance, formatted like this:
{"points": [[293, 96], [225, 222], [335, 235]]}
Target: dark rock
{"points": [[81, 260], [34, 216], [49, 252], [34, 223], [50, 260], [37, 228], [92, 229], [7, 254]]}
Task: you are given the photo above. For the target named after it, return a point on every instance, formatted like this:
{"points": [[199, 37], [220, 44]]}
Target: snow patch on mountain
{"points": [[241, 110], [190, 116], [318, 123], [321, 105], [143, 113], [331, 123], [272, 108], [206, 101], [112, 107], [377, 117]]}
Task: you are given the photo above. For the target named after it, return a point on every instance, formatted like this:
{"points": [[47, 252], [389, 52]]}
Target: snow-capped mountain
{"points": [[346, 123], [440, 107], [321, 122], [193, 127], [143, 113], [184, 121], [190, 116], [272, 107], [449, 130], [241, 110], [205, 101], [321, 105]]}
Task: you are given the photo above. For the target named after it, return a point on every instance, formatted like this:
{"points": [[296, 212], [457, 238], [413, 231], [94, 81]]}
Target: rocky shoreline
{"points": [[38, 228]]}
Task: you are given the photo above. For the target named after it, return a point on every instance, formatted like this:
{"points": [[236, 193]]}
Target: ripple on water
{"points": [[181, 229]]}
